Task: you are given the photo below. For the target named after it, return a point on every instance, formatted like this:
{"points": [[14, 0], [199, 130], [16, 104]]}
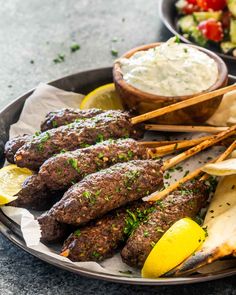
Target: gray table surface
{"points": [[32, 34]]}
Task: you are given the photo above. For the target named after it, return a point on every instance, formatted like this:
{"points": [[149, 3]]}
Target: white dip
{"points": [[170, 69]]}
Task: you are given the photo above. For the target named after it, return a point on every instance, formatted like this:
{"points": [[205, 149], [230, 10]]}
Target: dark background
{"points": [[32, 34]]}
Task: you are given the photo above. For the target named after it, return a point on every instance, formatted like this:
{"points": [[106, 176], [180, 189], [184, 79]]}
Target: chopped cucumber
{"points": [[232, 30], [204, 15], [197, 37], [187, 24], [232, 6], [227, 47]]}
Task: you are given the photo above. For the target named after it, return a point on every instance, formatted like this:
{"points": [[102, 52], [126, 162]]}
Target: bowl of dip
{"points": [[153, 76]]}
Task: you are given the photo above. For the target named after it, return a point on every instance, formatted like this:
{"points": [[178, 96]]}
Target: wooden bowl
{"points": [[143, 102]]}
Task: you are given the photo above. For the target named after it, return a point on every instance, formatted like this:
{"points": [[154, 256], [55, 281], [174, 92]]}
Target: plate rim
{"points": [[19, 242], [174, 31]]}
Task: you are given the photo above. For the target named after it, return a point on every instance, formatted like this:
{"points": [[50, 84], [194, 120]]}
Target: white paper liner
{"points": [[48, 98]]}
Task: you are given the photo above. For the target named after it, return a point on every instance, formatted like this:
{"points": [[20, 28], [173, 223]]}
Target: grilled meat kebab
{"points": [[112, 124], [62, 171], [70, 167], [184, 202], [101, 238], [101, 192], [35, 195], [66, 116], [52, 120]]}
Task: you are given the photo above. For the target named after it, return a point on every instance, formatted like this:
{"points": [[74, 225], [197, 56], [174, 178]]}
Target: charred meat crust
{"points": [[185, 202], [101, 192], [65, 169], [112, 124], [66, 116]]}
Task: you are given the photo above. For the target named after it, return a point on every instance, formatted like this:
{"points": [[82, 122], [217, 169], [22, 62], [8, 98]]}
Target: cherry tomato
{"points": [[211, 4], [211, 30]]}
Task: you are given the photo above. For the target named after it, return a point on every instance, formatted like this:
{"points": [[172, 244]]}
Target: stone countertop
{"points": [[32, 34]]}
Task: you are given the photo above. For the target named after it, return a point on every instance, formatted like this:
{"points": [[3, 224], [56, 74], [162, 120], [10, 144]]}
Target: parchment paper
{"points": [[47, 98]]}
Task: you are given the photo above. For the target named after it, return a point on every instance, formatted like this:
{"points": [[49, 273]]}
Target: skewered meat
{"points": [[112, 124], [185, 202], [66, 116], [52, 120], [64, 169], [99, 239], [12, 146], [101, 192], [35, 195]]}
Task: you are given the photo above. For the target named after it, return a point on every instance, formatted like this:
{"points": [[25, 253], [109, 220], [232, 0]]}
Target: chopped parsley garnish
{"points": [[60, 58], [100, 138], [54, 124], [96, 254], [74, 164], [74, 47], [92, 198], [114, 52], [177, 39], [77, 233]]}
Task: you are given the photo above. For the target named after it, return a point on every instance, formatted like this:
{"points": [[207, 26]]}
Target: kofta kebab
{"points": [[104, 203]]}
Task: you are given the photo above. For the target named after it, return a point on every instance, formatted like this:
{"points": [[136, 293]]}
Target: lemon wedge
{"points": [[11, 180], [178, 243], [104, 97]]}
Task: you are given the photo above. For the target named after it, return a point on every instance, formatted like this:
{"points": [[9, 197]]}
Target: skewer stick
{"points": [[155, 144], [183, 104], [162, 194], [200, 147], [182, 128], [171, 148]]}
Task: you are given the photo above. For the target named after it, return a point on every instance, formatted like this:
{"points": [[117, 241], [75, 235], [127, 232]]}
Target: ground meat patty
{"points": [[64, 169], [35, 195], [101, 238], [112, 124], [52, 230], [101, 192], [12, 146], [185, 202], [66, 116]]}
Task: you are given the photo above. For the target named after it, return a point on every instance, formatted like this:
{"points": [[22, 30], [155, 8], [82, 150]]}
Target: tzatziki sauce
{"points": [[171, 69]]}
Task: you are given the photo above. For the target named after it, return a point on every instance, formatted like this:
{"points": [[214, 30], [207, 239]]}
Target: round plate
{"points": [[83, 83], [168, 15]]}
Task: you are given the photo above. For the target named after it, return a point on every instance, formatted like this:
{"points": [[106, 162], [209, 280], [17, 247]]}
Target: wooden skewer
{"points": [[183, 104], [155, 144], [171, 148], [182, 128], [162, 194], [201, 146]]}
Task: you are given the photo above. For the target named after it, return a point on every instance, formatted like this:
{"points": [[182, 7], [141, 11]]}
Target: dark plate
{"points": [[81, 82], [168, 15]]}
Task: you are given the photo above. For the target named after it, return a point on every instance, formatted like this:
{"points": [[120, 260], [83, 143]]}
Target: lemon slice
{"points": [[11, 180], [104, 97], [178, 243]]}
